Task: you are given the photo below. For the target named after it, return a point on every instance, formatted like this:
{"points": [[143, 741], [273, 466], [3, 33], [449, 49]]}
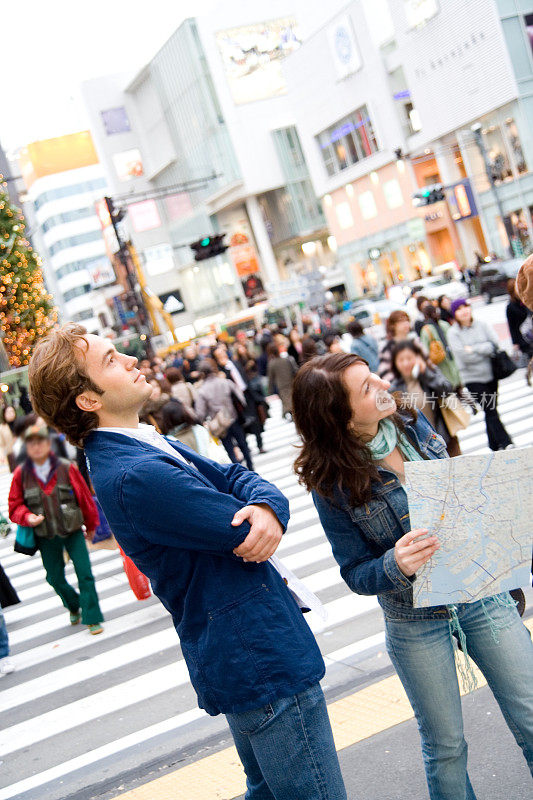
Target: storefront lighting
{"points": [[196, 269], [427, 151], [309, 248], [327, 200], [4, 387], [349, 190], [332, 244], [400, 166], [374, 177]]}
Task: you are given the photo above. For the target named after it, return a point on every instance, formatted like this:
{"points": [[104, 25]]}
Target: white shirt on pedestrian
{"points": [[148, 435]]}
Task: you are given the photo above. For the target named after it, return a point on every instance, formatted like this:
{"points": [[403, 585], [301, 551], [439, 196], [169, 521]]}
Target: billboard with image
{"points": [[252, 56]]}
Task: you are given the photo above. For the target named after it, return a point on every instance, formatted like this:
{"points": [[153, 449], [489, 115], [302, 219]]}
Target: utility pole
{"points": [[476, 130], [123, 253]]}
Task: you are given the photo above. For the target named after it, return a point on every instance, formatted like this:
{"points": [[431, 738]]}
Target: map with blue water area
{"points": [[481, 509]]}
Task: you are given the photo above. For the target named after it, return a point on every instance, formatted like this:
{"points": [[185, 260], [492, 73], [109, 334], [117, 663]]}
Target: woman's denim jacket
{"points": [[363, 537]]}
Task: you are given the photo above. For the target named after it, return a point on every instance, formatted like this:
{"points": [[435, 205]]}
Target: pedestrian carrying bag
{"points": [[502, 365], [219, 424], [25, 541], [437, 352], [455, 416], [437, 347]]}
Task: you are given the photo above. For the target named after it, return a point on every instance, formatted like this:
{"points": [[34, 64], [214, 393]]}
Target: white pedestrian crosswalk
{"points": [[76, 701]]}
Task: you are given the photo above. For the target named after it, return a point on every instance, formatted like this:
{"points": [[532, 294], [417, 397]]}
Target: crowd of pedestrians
{"points": [[203, 527]]}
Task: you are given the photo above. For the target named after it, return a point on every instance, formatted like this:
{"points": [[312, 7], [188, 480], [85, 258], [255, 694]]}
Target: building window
{"points": [[350, 140], [68, 191], [367, 204], [393, 193], [76, 292], [73, 266], [74, 241], [67, 216], [499, 165], [115, 120], [81, 316], [515, 145], [344, 215]]}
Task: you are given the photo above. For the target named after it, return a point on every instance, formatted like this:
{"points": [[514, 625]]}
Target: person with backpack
{"points": [[49, 495], [434, 337]]}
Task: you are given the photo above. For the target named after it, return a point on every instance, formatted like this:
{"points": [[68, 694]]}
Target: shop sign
{"points": [[253, 289], [433, 216], [461, 201], [172, 301], [244, 255]]}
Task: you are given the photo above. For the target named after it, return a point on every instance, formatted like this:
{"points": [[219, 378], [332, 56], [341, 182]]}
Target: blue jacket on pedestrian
{"points": [[366, 347], [363, 537], [243, 637]]}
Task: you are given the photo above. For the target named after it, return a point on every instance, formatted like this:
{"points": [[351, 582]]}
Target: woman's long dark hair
{"points": [[332, 454]]}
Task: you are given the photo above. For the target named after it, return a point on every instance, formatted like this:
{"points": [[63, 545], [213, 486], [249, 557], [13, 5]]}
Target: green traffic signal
{"points": [[205, 242]]}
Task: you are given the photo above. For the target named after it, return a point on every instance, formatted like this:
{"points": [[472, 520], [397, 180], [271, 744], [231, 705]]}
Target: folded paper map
{"points": [[481, 509]]}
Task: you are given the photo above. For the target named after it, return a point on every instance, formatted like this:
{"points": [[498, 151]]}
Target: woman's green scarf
{"points": [[387, 438]]}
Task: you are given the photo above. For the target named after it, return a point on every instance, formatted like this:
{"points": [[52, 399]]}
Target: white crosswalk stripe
{"points": [[76, 699]]}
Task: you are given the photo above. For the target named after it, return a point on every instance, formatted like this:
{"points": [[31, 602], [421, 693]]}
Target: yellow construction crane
{"points": [[152, 302]]}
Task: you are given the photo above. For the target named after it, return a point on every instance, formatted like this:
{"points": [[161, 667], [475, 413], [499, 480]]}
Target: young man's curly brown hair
{"points": [[57, 377]]}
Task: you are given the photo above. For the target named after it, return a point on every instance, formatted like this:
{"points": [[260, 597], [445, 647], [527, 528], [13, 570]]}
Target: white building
{"points": [[213, 104], [64, 180], [387, 97]]}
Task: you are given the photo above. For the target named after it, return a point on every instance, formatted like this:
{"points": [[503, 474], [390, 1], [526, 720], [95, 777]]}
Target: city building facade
{"points": [[64, 179], [414, 95], [209, 124]]}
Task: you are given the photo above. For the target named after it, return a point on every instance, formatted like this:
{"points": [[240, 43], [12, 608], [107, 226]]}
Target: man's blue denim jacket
{"points": [[244, 638], [363, 537]]}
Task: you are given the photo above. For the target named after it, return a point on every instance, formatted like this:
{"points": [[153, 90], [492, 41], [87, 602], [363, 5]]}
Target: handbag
{"points": [[438, 348], [25, 541], [437, 352], [455, 416], [219, 424], [139, 583], [502, 365], [209, 447]]}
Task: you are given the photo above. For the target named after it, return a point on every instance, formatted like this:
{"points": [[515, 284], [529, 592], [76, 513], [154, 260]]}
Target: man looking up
{"points": [[203, 533]]}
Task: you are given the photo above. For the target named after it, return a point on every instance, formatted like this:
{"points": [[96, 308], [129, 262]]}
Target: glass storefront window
{"points": [[519, 233], [500, 167], [515, 145]]}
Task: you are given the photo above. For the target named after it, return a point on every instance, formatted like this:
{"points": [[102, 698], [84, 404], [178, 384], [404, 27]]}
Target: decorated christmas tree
{"points": [[26, 309]]}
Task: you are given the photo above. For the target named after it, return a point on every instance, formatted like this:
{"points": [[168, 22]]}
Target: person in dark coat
{"points": [[8, 593]]}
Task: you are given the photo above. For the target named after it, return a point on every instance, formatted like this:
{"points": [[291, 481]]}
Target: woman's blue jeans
{"points": [[287, 749], [422, 652]]}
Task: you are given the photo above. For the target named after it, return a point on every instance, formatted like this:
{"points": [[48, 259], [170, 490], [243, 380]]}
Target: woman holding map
{"points": [[354, 447]]}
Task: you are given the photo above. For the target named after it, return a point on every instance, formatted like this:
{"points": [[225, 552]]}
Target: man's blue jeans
{"points": [[422, 652], [287, 749]]}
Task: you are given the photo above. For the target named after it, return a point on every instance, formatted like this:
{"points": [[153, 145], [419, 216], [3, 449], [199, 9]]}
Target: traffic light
{"points": [[430, 195], [209, 246]]}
